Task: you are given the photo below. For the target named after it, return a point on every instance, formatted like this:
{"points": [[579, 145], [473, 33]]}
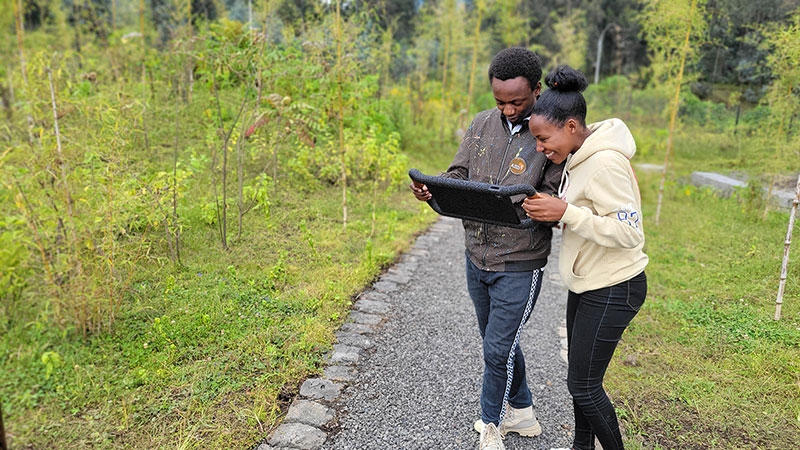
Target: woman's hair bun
{"points": [[566, 79]]}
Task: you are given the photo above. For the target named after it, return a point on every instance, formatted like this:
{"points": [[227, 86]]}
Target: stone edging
{"points": [[303, 426]]}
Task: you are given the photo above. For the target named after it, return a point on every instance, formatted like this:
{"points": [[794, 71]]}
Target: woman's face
{"points": [[555, 142]]}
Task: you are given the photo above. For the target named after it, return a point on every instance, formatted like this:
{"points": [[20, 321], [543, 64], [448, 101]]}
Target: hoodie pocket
{"points": [[590, 259]]}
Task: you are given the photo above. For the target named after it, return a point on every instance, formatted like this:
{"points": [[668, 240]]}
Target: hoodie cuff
{"points": [[572, 214]]}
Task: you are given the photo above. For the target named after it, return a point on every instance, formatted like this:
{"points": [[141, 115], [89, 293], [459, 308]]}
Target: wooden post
{"points": [[787, 243]]}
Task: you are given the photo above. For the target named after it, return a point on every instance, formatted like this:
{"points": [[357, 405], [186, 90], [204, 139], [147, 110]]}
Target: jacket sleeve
{"points": [[551, 178], [459, 168], [617, 222]]}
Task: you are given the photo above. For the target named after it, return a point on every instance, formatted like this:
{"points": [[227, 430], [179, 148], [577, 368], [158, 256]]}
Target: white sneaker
{"points": [[491, 439], [520, 421]]}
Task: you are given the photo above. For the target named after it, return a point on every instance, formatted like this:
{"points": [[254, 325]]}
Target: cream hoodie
{"points": [[603, 234]]}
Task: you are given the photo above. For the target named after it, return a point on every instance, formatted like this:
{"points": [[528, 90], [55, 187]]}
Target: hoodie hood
{"points": [[611, 134]]}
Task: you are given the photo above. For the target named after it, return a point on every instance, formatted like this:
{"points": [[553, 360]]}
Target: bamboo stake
{"points": [[67, 193], [20, 28], [144, 76], [674, 112], [240, 142], [11, 96], [176, 230], [19, 25], [110, 237], [786, 245], [141, 20], [265, 36], [189, 61], [225, 191], [341, 111], [474, 62]]}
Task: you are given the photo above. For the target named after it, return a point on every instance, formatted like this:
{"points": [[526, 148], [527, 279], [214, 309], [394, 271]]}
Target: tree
{"points": [[512, 25], [673, 29], [571, 29], [398, 15]]}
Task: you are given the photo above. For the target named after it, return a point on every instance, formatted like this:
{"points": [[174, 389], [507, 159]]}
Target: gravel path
{"points": [[418, 387]]}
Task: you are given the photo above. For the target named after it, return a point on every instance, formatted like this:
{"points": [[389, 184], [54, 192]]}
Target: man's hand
{"points": [[420, 191], [544, 208]]}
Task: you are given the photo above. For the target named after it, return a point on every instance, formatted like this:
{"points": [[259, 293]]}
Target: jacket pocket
{"points": [[532, 242]]}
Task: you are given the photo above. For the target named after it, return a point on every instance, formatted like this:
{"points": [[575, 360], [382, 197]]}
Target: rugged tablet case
{"points": [[481, 202]]}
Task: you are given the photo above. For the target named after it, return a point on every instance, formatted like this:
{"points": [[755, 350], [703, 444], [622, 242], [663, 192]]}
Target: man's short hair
{"points": [[516, 62]]}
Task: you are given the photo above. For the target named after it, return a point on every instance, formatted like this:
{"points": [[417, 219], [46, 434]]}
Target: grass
{"points": [[208, 355], [704, 365]]}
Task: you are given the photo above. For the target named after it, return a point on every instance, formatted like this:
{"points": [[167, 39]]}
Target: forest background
{"points": [[193, 191]]}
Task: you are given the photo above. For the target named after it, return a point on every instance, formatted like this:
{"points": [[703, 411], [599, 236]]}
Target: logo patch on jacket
{"points": [[517, 166]]}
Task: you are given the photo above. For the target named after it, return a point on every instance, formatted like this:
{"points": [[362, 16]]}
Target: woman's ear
{"points": [[572, 126]]}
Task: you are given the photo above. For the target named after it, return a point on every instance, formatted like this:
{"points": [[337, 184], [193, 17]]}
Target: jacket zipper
{"points": [[486, 226]]}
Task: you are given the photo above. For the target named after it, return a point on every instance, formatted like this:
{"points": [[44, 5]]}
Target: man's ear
{"points": [[538, 91]]}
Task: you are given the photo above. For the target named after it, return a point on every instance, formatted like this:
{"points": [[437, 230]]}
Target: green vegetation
{"points": [[174, 259], [704, 365]]}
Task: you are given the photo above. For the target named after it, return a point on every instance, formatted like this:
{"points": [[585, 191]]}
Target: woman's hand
{"points": [[544, 208]]}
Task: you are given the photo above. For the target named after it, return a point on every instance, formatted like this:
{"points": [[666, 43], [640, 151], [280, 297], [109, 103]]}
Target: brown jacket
{"points": [[490, 154]]}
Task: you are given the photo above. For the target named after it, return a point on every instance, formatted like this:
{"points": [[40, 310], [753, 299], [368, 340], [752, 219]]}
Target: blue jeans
{"points": [[503, 302], [595, 322]]}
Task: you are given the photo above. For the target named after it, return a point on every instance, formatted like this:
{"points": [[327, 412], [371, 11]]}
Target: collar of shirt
{"points": [[515, 128]]}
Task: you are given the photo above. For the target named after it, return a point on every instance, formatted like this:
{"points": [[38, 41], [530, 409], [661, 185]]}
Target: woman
{"points": [[601, 259]]}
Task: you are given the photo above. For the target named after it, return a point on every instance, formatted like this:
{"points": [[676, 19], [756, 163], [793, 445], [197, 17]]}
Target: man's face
{"points": [[514, 97]]}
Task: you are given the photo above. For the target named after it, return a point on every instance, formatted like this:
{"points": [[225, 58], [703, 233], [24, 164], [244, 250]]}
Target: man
{"points": [[504, 265]]}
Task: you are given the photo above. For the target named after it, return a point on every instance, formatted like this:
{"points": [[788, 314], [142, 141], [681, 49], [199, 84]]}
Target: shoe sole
{"points": [[531, 431]]}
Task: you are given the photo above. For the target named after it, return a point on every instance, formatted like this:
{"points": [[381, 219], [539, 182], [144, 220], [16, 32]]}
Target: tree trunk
{"points": [[444, 83], [20, 28], [786, 245], [5, 94], [474, 62], [341, 111], [674, 111]]}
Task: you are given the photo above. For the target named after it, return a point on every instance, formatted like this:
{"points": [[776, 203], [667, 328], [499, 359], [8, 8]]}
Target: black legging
{"points": [[595, 322]]}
